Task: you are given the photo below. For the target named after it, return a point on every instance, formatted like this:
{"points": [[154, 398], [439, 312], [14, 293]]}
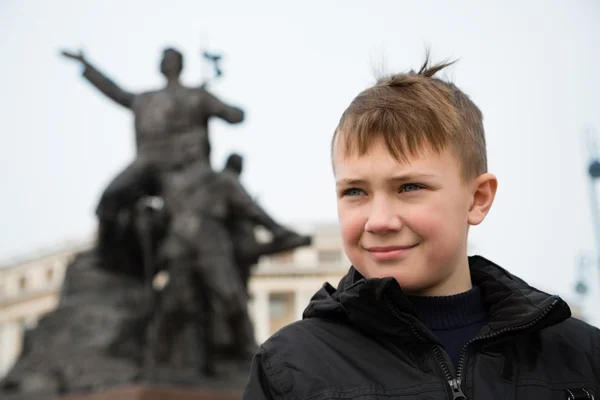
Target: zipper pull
{"points": [[457, 392]]}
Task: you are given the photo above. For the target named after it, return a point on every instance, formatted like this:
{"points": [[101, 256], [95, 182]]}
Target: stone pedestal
{"points": [[143, 392]]}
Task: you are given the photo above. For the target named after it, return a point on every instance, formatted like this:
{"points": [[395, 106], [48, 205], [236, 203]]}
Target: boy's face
{"points": [[409, 220]]}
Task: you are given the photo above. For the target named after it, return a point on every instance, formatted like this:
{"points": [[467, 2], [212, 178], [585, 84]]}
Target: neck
{"points": [[459, 280]]}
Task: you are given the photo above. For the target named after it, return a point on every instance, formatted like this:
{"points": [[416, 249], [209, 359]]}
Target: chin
{"points": [[412, 288], [389, 270], [407, 280]]}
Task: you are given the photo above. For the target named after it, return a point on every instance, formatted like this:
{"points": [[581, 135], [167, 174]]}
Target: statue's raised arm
{"points": [[102, 82], [219, 109]]}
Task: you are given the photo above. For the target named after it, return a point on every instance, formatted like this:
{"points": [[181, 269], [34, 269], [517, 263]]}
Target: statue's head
{"points": [[235, 163], [171, 64]]}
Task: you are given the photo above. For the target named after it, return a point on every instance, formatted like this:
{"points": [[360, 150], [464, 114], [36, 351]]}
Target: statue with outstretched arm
{"points": [[171, 129], [109, 88]]}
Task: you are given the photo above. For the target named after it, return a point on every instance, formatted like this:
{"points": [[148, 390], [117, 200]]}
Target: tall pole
{"points": [[594, 174], [595, 217]]}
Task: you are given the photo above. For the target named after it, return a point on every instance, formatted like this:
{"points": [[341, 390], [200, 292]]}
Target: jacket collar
{"points": [[380, 307]]}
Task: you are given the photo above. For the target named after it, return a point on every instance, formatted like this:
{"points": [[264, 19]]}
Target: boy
{"points": [[415, 317]]}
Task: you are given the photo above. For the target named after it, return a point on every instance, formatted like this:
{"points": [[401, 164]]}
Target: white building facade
{"points": [[29, 288]]}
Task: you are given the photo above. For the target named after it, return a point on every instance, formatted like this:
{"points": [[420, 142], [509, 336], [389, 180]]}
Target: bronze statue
{"points": [[171, 131], [168, 210], [171, 124], [200, 251]]}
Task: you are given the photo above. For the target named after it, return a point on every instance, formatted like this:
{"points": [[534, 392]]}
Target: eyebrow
{"points": [[398, 179]]}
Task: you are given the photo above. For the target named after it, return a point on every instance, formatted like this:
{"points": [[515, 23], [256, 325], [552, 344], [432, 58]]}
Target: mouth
{"points": [[385, 253]]}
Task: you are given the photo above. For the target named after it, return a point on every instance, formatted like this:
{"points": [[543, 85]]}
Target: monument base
{"points": [[149, 392]]}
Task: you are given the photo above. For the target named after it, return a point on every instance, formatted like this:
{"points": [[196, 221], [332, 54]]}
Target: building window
{"points": [[278, 306], [22, 283], [49, 274], [330, 256], [281, 310]]}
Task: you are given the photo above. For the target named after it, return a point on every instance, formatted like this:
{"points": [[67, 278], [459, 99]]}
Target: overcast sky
{"points": [[531, 66]]}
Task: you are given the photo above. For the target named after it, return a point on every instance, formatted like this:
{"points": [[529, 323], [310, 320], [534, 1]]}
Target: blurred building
{"points": [[280, 289], [282, 285], [29, 288]]}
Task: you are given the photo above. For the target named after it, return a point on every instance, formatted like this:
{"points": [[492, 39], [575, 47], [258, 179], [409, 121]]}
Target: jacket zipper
{"points": [[455, 383]]}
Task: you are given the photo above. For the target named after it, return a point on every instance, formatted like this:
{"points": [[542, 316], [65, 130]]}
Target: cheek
{"points": [[439, 221], [352, 224]]}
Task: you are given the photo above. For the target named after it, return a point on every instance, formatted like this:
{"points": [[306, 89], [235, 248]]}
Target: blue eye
{"points": [[411, 187], [352, 192]]}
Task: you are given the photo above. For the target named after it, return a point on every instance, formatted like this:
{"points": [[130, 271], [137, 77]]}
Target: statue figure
{"points": [[171, 131], [247, 248], [199, 252]]}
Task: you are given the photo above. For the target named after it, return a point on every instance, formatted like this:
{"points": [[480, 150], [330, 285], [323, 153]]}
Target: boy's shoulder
{"points": [[296, 349], [572, 346], [311, 342], [297, 359], [295, 337], [574, 333], [313, 338]]}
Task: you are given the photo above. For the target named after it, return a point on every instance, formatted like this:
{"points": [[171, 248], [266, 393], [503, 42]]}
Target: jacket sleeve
{"points": [[260, 385]]}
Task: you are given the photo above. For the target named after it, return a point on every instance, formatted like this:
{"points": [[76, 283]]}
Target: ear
{"points": [[484, 193]]}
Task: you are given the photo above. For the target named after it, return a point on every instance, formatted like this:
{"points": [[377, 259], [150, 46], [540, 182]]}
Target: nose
{"points": [[383, 217]]}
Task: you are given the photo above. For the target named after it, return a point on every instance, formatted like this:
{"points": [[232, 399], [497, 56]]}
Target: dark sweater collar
{"points": [[450, 312]]}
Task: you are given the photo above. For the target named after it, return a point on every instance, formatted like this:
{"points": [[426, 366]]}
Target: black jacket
{"points": [[364, 341]]}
